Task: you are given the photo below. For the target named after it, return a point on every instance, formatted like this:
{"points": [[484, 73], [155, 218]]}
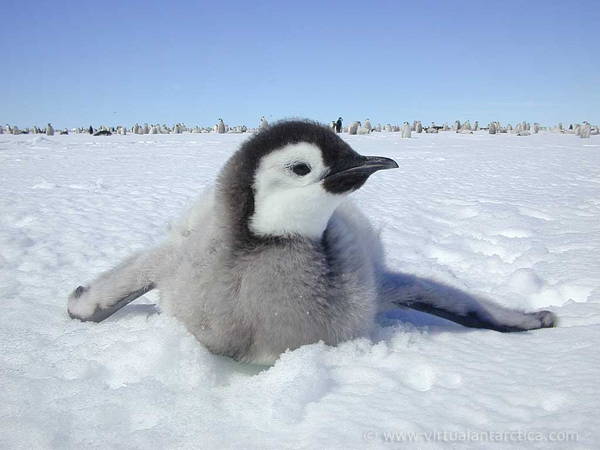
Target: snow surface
{"points": [[514, 218]]}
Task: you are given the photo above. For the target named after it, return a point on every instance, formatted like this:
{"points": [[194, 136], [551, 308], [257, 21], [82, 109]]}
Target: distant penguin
{"points": [[263, 123], [518, 128], [476, 126], [378, 128], [275, 257], [419, 127], [154, 129], [585, 130], [456, 126], [536, 128], [353, 129], [492, 128], [103, 132], [368, 125], [220, 127], [445, 127], [388, 128], [406, 131], [364, 129], [49, 130], [338, 125]]}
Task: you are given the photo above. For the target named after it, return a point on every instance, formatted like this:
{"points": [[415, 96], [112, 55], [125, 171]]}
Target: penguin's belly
{"points": [[254, 318], [296, 297], [291, 326], [272, 300]]}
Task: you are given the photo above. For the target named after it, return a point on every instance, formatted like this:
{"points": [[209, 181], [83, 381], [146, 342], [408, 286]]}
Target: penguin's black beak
{"points": [[352, 176], [374, 163]]}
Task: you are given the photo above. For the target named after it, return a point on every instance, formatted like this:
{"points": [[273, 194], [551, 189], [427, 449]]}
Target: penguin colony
{"points": [[276, 256], [583, 130]]}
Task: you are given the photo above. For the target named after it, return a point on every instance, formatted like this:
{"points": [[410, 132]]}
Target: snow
{"points": [[513, 218]]}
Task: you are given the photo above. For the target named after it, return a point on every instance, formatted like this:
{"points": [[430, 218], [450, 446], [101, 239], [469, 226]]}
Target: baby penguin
{"points": [[276, 257]]}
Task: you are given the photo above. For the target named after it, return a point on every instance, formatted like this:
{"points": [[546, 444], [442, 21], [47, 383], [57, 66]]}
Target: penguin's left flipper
{"points": [[102, 312], [400, 290], [476, 319]]}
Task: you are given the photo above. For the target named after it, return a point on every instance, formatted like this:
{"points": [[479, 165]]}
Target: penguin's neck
{"points": [[301, 212]]}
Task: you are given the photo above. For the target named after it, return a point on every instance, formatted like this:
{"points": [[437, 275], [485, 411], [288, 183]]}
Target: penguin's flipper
{"points": [[400, 290], [102, 312], [119, 286], [474, 319]]}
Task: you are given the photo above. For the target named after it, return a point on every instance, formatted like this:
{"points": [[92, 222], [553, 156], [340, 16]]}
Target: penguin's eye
{"points": [[300, 169]]}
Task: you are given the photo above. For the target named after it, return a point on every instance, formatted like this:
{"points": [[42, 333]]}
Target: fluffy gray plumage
{"points": [[276, 257]]}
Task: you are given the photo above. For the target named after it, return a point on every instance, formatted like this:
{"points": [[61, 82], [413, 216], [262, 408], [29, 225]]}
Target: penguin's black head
{"points": [[289, 178]]}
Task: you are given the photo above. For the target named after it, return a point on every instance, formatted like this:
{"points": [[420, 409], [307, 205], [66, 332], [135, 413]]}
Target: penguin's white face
{"points": [[289, 197]]}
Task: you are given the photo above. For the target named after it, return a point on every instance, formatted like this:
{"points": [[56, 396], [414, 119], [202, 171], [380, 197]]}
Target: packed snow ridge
{"points": [[513, 219]]}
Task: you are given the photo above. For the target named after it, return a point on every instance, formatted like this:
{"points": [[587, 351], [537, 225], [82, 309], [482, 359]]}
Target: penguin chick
{"points": [[276, 257]]}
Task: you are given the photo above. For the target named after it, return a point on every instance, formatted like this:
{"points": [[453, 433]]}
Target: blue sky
{"points": [[120, 62]]}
